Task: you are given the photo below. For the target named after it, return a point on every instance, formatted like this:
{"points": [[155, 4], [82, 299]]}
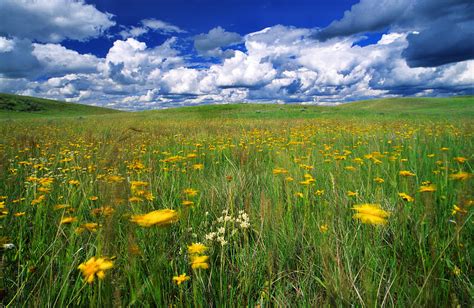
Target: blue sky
{"points": [[138, 55]]}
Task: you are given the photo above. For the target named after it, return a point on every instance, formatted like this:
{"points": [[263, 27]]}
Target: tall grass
{"points": [[303, 248]]}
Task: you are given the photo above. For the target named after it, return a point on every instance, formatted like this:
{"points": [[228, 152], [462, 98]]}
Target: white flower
{"points": [[8, 246], [221, 230], [210, 236]]}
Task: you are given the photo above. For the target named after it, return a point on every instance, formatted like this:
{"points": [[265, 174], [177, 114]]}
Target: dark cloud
{"points": [[444, 28], [445, 43]]}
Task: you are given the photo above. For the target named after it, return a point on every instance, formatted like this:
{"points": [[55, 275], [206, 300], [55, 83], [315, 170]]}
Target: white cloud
{"points": [[148, 25], [6, 45], [161, 26], [243, 70], [210, 44], [52, 20], [58, 60]]}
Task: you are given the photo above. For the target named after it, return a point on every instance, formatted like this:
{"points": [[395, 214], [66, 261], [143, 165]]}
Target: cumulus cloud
{"points": [[210, 44], [17, 60], [58, 60], [276, 64], [148, 25], [130, 61], [443, 30], [52, 20], [243, 70]]}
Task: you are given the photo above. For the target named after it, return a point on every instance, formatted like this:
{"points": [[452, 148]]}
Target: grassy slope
{"points": [[16, 106], [453, 107]]}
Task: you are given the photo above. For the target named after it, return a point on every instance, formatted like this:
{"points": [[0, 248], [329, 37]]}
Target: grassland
{"points": [[16, 106], [269, 190]]}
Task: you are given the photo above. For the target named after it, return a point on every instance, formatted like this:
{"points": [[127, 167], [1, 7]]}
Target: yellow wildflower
{"points": [[159, 218], [199, 262], [95, 267], [460, 176], [187, 203], [198, 166], [460, 160], [67, 220], [406, 173], [196, 248], [427, 188], [370, 214], [190, 192], [406, 197], [181, 278]]}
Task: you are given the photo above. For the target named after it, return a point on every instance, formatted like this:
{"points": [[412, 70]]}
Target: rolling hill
{"points": [[17, 106]]}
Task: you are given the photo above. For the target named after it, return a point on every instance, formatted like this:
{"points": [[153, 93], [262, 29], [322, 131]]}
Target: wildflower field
{"points": [[275, 207]]}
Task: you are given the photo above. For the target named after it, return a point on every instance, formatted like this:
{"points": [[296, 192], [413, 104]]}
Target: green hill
{"points": [[17, 106], [453, 107]]}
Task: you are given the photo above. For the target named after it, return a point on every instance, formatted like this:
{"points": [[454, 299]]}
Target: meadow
{"points": [[240, 205]]}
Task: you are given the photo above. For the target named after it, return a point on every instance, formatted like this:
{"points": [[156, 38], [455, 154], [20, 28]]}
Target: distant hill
{"points": [[452, 107], [15, 106], [25, 106]]}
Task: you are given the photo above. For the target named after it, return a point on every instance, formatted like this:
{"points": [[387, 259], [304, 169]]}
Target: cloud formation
{"points": [[210, 44], [442, 31], [282, 64], [52, 20], [148, 25]]}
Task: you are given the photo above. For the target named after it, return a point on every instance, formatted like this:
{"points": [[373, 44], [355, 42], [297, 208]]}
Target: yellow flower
{"points": [[181, 278], [323, 228], [299, 194], [90, 226], [456, 271], [406, 197], [190, 192], [93, 198], [187, 203], [19, 214], [196, 248], [379, 180], [159, 217], [38, 200], [427, 188], [460, 160], [67, 220], [370, 214], [352, 194], [199, 262], [95, 267], [457, 209], [280, 171], [74, 182], [198, 166], [319, 192], [460, 176], [406, 173]]}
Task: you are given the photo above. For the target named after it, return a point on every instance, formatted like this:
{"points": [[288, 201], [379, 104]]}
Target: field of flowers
{"points": [[117, 211]]}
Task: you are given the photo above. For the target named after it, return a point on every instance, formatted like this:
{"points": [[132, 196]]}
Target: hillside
{"points": [[17, 106], [387, 108]]}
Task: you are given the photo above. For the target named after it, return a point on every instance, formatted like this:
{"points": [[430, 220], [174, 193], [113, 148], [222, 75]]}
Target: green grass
{"points": [[423, 256], [17, 106]]}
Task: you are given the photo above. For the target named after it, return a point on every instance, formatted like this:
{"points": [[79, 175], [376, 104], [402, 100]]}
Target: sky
{"points": [[152, 54]]}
